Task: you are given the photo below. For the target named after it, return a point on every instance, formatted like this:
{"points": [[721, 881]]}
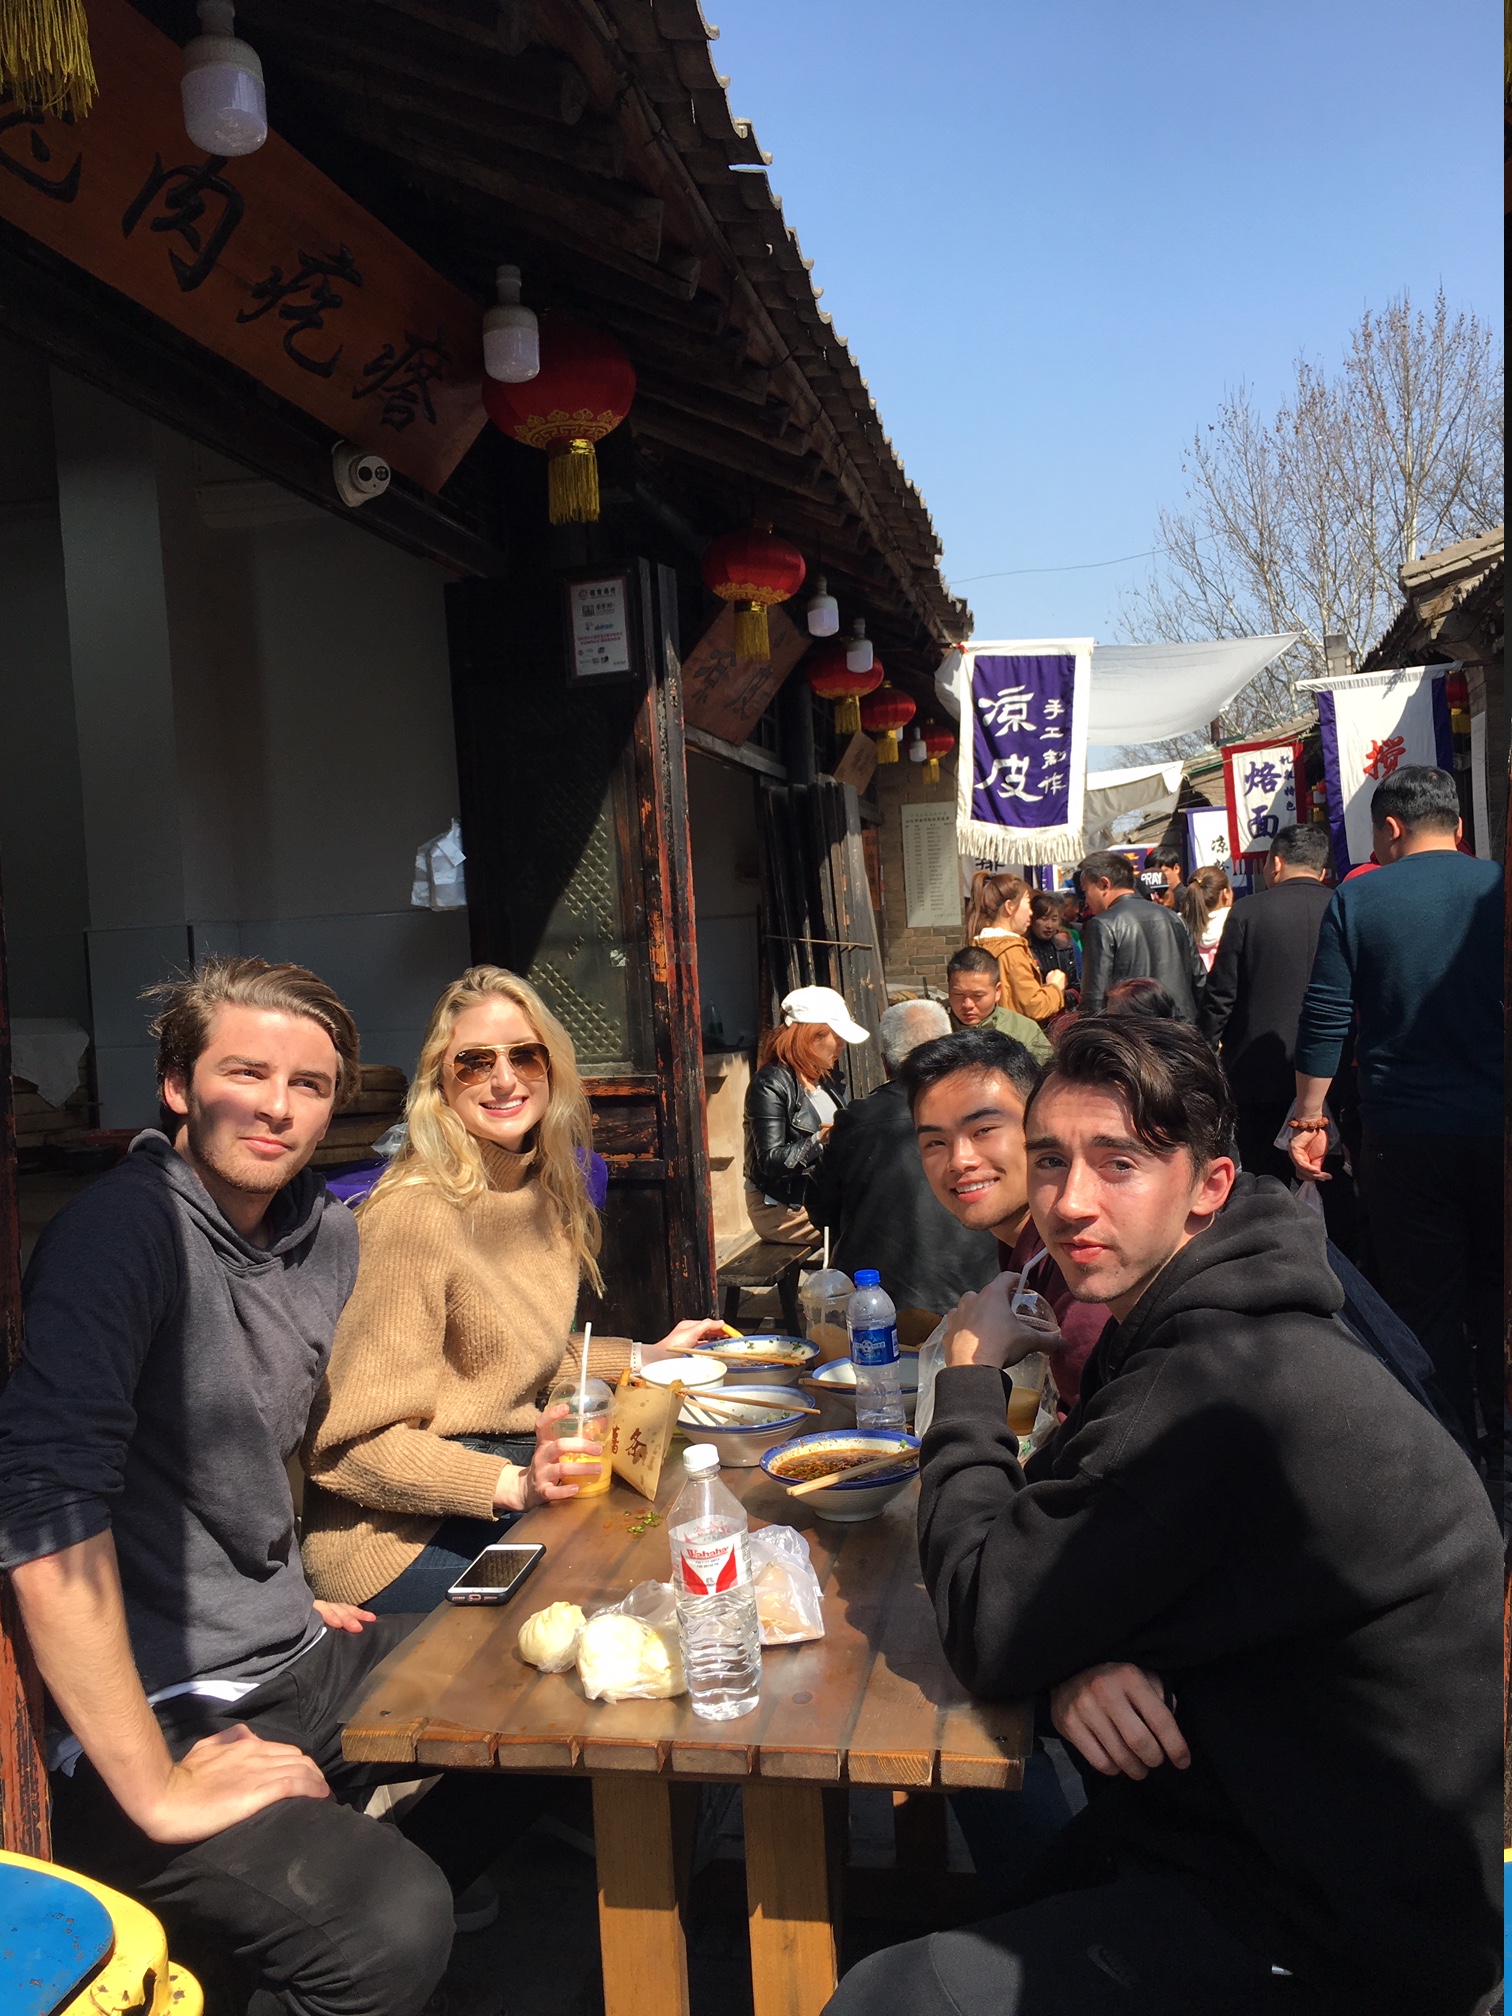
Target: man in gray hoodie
{"points": [[179, 1314]]}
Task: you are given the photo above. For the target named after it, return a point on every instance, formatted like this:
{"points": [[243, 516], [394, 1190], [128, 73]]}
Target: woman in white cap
{"points": [[792, 1101]]}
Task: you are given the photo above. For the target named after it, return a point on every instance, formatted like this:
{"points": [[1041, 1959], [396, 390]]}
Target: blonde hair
{"points": [[439, 1150], [992, 897]]}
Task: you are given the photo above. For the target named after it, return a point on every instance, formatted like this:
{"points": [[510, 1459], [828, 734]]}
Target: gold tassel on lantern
{"points": [[887, 747], [848, 715], [932, 769], [45, 63], [752, 639], [572, 484]]}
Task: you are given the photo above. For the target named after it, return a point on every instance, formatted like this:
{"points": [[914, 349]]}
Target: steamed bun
{"points": [[547, 1638], [620, 1658]]}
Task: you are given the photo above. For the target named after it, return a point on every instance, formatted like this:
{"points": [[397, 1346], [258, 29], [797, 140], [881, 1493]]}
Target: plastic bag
{"points": [[788, 1604], [439, 882], [931, 1362], [630, 1651]]}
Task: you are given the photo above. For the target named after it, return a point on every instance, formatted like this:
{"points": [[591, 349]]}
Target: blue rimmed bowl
{"points": [[745, 1425], [749, 1361], [845, 1501]]}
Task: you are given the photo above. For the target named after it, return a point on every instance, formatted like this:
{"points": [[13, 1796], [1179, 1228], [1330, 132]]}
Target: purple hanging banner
{"points": [[1022, 797]]}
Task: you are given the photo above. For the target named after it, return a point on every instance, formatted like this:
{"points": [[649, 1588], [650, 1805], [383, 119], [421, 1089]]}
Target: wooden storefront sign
{"points": [[726, 695], [263, 260]]}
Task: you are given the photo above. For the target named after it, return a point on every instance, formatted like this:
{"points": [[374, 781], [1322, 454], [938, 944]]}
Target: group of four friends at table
{"points": [[1252, 1580]]}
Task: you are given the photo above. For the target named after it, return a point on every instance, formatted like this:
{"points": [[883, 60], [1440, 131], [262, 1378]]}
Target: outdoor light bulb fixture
{"points": [[225, 111], [823, 610], [511, 334], [858, 652], [917, 750]]}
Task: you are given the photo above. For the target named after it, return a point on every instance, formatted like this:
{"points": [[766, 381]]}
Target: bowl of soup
{"points": [[765, 1360], [831, 1454]]}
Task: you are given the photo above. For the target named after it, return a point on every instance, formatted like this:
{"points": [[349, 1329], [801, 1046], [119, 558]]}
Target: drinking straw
{"points": [[826, 1249], [583, 1377]]}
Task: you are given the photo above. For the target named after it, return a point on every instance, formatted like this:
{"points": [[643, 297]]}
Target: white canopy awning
{"points": [[1149, 692], [1113, 794]]}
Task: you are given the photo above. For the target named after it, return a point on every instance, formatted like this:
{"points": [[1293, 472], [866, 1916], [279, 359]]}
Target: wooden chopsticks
{"points": [[900, 1459]]}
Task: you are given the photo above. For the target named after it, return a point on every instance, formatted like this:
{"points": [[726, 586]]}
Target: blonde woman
{"points": [[425, 1433], [998, 919], [1204, 905]]}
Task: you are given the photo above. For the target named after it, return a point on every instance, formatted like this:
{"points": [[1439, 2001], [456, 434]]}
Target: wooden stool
{"points": [[764, 1265]]}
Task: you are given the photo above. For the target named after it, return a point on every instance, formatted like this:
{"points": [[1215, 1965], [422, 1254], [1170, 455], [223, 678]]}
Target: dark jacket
{"points": [[1247, 1504], [1052, 958], [783, 1148], [1254, 992], [871, 1191], [1135, 938], [1414, 953], [167, 1376]]}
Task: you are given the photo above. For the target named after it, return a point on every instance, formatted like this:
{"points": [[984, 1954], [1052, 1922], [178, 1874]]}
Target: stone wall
{"points": [[914, 960]]}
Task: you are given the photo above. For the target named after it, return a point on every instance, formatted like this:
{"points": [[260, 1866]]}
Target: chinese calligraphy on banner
{"points": [[262, 260], [1372, 723], [1021, 796], [1264, 785]]}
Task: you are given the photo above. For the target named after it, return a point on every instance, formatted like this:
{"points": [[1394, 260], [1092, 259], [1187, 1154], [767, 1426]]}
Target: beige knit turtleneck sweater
{"points": [[459, 1318]]}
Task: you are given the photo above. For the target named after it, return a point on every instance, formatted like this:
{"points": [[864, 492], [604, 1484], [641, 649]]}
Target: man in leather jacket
{"points": [[1125, 937]]}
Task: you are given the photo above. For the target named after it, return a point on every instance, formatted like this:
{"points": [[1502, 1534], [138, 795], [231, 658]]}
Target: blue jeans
{"points": [[455, 1542]]}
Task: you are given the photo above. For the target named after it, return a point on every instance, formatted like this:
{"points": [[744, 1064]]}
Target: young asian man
{"points": [[1259, 1579], [973, 982]]}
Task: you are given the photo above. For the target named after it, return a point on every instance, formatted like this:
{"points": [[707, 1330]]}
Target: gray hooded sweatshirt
{"points": [[168, 1371]]}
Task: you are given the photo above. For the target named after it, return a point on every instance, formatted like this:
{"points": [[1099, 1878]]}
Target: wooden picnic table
{"points": [[872, 1703]]}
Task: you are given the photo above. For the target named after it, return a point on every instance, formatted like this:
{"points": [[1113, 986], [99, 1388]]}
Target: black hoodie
{"points": [[1248, 1505], [168, 1371]]}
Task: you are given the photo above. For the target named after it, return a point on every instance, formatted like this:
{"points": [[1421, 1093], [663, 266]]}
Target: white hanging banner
{"points": [[1372, 724], [1021, 786]]}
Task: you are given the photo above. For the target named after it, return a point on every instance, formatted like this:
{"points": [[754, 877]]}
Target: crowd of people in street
{"points": [[1248, 1154]]}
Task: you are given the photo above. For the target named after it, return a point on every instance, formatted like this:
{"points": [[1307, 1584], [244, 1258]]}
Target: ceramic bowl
{"points": [[685, 1367], [769, 1422], [838, 1381], [843, 1501], [747, 1361]]}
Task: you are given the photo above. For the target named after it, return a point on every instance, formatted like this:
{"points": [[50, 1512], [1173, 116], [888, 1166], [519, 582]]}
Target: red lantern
{"points": [[832, 679], [582, 392], [1457, 690], [886, 714], [937, 742], [753, 569]]}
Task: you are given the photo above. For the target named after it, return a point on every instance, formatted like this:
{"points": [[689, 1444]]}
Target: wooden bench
{"points": [[765, 1264]]}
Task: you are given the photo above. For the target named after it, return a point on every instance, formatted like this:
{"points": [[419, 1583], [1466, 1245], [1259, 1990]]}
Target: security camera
{"points": [[360, 474]]}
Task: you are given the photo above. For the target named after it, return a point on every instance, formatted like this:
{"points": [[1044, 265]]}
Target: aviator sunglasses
{"points": [[530, 1062]]}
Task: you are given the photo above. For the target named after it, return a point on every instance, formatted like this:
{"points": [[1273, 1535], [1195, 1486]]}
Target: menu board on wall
{"points": [[931, 869], [263, 260]]}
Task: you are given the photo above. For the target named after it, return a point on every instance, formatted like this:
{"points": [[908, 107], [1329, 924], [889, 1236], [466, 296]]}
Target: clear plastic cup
{"points": [[1028, 1383], [824, 1299], [586, 1420]]}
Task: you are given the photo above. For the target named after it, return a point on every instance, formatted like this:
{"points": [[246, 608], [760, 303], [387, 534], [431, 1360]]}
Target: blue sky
{"points": [[1054, 235]]}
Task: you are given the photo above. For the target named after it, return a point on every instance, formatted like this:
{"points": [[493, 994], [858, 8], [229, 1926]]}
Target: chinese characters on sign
{"points": [[1373, 724], [599, 627], [261, 260], [1021, 735], [931, 881], [1262, 794], [1383, 757]]}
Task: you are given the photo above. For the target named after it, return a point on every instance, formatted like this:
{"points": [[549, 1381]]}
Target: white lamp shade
{"points": [[823, 611], [917, 753], [225, 110], [511, 344], [858, 655]]}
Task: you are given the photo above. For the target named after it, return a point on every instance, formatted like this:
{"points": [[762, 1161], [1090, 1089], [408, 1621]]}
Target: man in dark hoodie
{"points": [[178, 1317], [1260, 1579]]}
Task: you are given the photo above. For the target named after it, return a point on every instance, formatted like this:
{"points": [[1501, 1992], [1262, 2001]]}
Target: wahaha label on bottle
{"points": [[875, 1347], [709, 1568]]}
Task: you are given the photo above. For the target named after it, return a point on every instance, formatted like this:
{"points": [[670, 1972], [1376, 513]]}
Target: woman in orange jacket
{"points": [[997, 919]]}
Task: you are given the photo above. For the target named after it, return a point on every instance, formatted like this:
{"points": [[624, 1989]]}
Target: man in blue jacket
{"points": [[1412, 956]]}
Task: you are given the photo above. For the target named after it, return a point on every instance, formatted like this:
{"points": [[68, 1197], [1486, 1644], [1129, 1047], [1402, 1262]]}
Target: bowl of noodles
{"points": [[831, 1454]]}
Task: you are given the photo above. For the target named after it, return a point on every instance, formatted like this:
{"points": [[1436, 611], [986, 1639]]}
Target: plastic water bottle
{"points": [[873, 1325], [716, 1598]]}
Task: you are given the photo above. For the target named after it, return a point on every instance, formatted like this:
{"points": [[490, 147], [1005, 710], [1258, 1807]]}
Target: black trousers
{"points": [[1434, 1202], [331, 1913], [1141, 1945]]}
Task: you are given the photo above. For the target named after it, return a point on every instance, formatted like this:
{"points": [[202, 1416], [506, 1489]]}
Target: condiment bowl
{"points": [[837, 1387], [748, 1360], [768, 1422], [844, 1502]]}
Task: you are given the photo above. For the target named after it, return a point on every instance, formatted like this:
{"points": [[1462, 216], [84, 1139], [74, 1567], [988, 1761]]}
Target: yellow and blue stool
{"points": [[70, 1947]]}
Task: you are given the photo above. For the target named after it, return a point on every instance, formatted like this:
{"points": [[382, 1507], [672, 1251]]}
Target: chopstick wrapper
{"points": [[641, 1424]]}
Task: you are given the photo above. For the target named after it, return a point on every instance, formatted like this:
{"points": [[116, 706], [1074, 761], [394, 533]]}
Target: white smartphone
{"points": [[497, 1572]]}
